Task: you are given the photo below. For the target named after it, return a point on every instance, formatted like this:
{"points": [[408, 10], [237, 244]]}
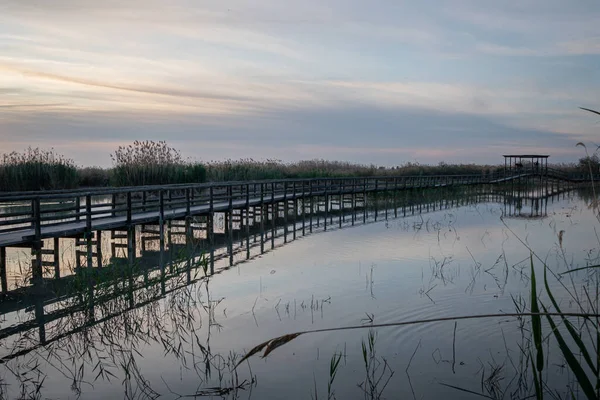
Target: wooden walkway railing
{"points": [[31, 216]]}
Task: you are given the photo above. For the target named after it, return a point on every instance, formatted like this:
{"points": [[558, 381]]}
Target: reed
{"points": [[250, 169], [157, 163], [36, 169], [153, 163], [94, 177]]}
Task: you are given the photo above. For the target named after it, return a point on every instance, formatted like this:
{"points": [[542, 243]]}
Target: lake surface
{"points": [[187, 339]]}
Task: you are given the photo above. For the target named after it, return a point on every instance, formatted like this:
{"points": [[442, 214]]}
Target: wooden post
{"points": [[131, 246], [128, 208], [254, 210], [273, 215], [211, 230], [161, 231], [312, 209], [88, 229], [326, 203], [341, 205], [230, 224], [90, 314], [405, 200], [412, 196], [318, 203], [364, 200], [37, 272], [99, 248], [385, 194], [353, 199], [395, 198], [169, 224], [544, 172], [40, 319], [247, 221], [3, 277], [78, 208], [295, 208], [376, 198], [331, 199], [241, 220], [295, 201], [130, 281], [113, 204], [189, 235], [285, 211], [263, 206], [303, 208], [188, 202], [78, 257], [56, 256]]}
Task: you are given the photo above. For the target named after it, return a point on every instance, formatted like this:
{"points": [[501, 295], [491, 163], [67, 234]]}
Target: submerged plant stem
{"points": [[279, 341]]}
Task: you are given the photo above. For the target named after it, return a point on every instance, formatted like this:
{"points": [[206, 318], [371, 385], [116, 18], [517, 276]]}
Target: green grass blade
{"points": [[536, 322], [576, 368], [576, 337], [597, 361], [580, 269], [364, 353], [333, 366], [538, 389], [466, 390], [590, 110]]}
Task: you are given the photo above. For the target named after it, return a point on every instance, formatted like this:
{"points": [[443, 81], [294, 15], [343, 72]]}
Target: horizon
{"points": [[382, 83]]}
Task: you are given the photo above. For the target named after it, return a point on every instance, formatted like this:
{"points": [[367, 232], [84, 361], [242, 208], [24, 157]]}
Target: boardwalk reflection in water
{"points": [[97, 327]]}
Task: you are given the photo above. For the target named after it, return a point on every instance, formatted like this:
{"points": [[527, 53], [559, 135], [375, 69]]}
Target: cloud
{"points": [[362, 134], [378, 81], [28, 106], [163, 91], [589, 45]]}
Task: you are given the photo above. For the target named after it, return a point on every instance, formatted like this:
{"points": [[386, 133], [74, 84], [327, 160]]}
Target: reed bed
{"points": [[249, 169], [155, 163], [93, 177], [36, 169]]}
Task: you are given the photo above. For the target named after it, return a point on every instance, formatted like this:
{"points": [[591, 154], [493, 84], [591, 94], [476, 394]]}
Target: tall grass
{"points": [[249, 169], [134, 168], [94, 177], [36, 169], [153, 163]]}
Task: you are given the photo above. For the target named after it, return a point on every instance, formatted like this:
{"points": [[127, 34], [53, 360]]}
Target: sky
{"points": [[381, 81]]}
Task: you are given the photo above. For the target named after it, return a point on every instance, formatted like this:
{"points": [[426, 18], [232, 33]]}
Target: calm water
{"points": [[452, 262]]}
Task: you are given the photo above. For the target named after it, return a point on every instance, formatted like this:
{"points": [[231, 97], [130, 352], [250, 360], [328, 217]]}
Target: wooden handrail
{"points": [[126, 202]]}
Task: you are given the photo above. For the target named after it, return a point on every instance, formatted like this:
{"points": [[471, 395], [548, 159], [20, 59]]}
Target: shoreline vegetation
{"points": [[155, 163]]}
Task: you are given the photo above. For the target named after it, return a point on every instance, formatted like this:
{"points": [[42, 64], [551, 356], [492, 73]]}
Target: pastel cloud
{"points": [[271, 79]]}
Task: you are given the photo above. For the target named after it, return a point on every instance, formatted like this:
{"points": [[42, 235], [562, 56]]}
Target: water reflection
{"points": [[149, 332]]}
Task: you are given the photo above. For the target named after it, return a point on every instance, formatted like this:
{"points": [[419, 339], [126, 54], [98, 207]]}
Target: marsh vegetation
{"points": [[153, 163]]}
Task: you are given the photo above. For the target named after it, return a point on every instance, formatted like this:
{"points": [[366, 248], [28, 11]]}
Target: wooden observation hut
{"points": [[532, 164], [527, 175]]}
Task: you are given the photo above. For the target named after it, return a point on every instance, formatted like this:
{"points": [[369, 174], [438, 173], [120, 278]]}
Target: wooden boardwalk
{"points": [[68, 213], [42, 215], [27, 219]]}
